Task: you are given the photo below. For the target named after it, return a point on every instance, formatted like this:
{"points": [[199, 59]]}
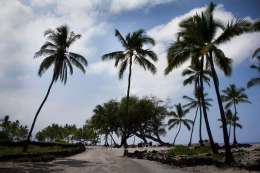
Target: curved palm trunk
{"points": [[36, 115], [200, 128], [193, 126], [234, 126], [228, 154], [177, 134], [127, 100], [204, 108]]}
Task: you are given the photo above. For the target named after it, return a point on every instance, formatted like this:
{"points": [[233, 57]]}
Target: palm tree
{"points": [[232, 96], [56, 53], [133, 51], [179, 119], [195, 103], [198, 75], [229, 118], [231, 121], [256, 80], [199, 41]]}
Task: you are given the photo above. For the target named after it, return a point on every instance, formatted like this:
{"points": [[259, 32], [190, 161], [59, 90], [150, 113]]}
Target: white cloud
{"points": [[125, 5]]}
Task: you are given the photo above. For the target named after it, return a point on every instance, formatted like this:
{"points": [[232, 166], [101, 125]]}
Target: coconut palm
{"points": [[56, 54], [198, 75], [179, 120], [199, 41], [233, 96], [133, 52], [256, 80], [195, 103], [231, 122]]}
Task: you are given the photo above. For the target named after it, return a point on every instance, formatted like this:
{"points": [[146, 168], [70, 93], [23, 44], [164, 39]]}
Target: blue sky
{"points": [[21, 90]]}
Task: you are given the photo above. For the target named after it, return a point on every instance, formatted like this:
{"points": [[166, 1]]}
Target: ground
{"points": [[104, 160]]}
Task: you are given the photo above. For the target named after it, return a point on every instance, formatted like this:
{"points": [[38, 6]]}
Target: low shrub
{"points": [[179, 150]]}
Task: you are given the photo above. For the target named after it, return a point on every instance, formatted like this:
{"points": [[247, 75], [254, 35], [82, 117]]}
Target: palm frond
{"points": [[121, 39], [122, 68]]}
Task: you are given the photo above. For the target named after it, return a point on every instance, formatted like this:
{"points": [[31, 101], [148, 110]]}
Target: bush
{"points": [[184, 150]]}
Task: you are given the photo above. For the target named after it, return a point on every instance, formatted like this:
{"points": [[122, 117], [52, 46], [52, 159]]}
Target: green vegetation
{"points": [[37, 151], [12, 131], [15, 150], [180, 150], [144, 119], [68, 134]]}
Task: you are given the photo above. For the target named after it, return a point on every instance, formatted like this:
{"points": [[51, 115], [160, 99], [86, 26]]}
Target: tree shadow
{"points": [[47, 167]]}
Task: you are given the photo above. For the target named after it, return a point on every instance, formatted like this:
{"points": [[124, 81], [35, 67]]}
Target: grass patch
{"points": [[15, 150], [38, 151], [180, 150]]}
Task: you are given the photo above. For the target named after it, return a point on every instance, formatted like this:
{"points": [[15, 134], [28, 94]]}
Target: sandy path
{"points": [[92, 161]]}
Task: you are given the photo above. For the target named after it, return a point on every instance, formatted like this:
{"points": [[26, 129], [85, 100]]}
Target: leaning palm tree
{"points": [[133, 52], [256, 80], [199, 41], [198, 75], [233, 96], [179, 120], [195, 103], [56, 54]]}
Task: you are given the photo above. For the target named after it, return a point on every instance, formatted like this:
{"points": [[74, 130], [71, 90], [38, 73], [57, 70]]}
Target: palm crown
{"points": [[196, 101], [56, 52], [233, 95], [133, 44], [179, 117], [255, 80], [193, 73], [198, 37]]}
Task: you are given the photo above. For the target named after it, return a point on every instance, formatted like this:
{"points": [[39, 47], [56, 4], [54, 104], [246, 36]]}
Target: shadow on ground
{"points": [[44, 167]]}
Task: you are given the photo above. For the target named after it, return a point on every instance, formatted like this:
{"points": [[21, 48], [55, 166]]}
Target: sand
{"points": [[104, 160]]}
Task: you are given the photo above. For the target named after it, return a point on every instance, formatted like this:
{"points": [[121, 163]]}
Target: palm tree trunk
{"points": [[177, 134], [200, 128], [127, 99], [36, 115], [113, 140], [234, 126], [193, 126], [229, 157], [229, 131], [204, 108]]}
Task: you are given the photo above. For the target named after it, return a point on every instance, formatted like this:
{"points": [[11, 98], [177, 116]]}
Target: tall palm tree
{"points": [[256, 80], [179, 119], [233, 96], [197, 75], [195, 103], [198, 40], [55, 52], [133, 52]]}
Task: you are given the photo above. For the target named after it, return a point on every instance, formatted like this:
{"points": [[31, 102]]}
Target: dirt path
{"points": [[92, 161]]}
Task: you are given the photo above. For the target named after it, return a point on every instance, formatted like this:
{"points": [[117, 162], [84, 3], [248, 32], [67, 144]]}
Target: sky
{"points": [[21, 33]]}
